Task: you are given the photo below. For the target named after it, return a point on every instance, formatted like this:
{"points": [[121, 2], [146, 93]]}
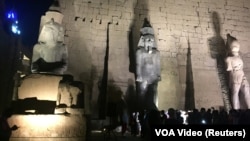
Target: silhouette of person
{"points": [[5, 129], [172, 117]]}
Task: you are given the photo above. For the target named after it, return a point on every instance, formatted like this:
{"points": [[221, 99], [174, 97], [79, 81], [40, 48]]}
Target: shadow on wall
{"points": [[103, 88], [189, 91], [219, 51], [131, 97], [114, 105], [134, 34]]}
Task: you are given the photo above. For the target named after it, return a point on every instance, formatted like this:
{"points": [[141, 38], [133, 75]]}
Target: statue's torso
{"points": [[237, 63], [149, 66], [52, 54], [237, 73]]}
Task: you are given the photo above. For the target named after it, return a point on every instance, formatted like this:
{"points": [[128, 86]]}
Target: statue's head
{"points": [[149, 42], [51, 34], [235, 47], [147, 39]]}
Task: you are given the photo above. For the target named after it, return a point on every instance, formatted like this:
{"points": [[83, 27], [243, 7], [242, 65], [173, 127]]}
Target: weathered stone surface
{"points": [[41, 86], [169, 88], [51, 127], [207, 93]]}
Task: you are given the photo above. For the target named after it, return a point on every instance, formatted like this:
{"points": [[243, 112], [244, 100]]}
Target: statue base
{"points": [[37, 113], [43, 93], [58, 127]]}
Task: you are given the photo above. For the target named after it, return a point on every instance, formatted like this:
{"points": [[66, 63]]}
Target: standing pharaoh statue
{"points": [[50, 54], [238, 83], [148, 69]]}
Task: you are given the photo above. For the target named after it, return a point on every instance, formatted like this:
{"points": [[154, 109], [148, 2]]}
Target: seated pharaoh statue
{"points": [[49, 88], [148, 68], [50, 54]]}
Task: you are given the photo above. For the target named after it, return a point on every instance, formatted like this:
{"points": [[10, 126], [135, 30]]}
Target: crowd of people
{"points": [[140, 122]]}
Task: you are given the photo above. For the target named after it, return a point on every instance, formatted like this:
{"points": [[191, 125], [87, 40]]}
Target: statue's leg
{"points": [[151, 97], [235, 96], [246, 94], [155, 94], [141, 96]]}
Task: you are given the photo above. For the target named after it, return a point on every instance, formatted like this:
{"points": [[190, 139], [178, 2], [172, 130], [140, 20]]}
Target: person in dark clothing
{"points": [[223, 117], [172, 117], [215, 117], [194, 117], [208, 116], [133, 124], [163, 117], [142, 120], [123, 114], [244, 118], [203, 119], [179, 117]]}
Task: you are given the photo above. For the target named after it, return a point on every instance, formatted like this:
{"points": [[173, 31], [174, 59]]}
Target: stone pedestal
{"points": [[40, 92], [41, 86], [37, 114], [56, 127]]}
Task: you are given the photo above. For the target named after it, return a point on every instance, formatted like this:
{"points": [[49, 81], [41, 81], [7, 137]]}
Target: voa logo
{"points": [[164, 132]]}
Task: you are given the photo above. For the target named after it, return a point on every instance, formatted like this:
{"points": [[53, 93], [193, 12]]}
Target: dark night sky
{"points": [[29, 13]]}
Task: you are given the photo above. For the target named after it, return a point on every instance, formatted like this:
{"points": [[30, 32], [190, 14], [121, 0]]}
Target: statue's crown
{"points": [[147, 28], [146, 32]]}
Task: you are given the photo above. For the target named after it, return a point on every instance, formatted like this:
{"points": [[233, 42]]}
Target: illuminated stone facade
{"points": [[188, 34], [177, 24]]}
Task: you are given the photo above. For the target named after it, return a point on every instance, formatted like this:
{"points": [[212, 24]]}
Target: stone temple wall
{"points": [[200, 25]]}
